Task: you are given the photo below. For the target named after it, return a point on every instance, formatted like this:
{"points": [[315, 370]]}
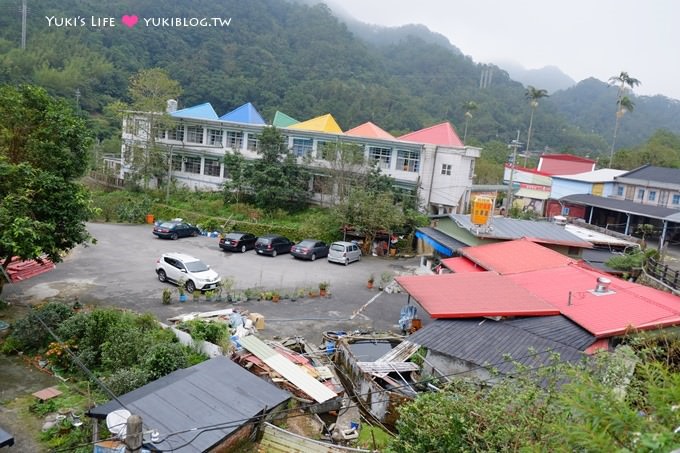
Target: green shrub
{"points": [[30, 335], [126, 380], [164, 358]]}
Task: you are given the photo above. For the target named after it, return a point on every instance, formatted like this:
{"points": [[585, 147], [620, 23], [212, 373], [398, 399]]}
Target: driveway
{"points": [[119, 271]]}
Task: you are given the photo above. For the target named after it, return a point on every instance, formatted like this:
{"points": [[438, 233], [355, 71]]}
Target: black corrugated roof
{"points": [[483, 341], [216, 391], [6, 439], [627, 206], [556, 328], [651, 173]]}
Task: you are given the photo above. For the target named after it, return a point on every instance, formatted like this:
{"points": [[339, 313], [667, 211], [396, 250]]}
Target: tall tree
{"points": [[469, 107], [623, 103], [43, 149], [533, 94]]}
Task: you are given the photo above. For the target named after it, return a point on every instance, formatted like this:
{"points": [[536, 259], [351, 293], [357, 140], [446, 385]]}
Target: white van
{"points": [[344, 252]]}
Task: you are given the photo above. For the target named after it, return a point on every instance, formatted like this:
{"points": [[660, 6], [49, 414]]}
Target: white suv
{"points": [[178, 267]]}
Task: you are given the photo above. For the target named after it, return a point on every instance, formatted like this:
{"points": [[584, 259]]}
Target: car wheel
{"points": [[190, 287], [174, 236], [359, 258], [346, 261], [274, 253], [161, 276], [243, 249], [313, 256], [194, 233]]}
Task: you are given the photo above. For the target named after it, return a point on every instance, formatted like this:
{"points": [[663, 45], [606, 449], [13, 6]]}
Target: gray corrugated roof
{"points": [[6, 439], [443, 238], [651, 173], [556, 328], [506, 228], [598, 257], [626, 206], [487, 342], [213, 392]]}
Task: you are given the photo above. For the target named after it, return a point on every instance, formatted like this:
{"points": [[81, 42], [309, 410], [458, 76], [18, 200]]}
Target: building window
{"points": [[381, 155], [176, 134], [472, 169], [408, 160], [676, 199], [176, 163], [302, 147], [215, 137], [192, 164], [211, 167], [619, 191], [446, 169], [641, 194], [194, 134], [652, 195], [160, 133], [234, 139], [253, 142]]}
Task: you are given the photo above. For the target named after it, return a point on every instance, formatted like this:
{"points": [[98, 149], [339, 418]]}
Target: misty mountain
{"points": [[549, 78]]}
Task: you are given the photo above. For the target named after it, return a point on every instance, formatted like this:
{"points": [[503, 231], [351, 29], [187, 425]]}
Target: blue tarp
{"points": [[435, 245]]}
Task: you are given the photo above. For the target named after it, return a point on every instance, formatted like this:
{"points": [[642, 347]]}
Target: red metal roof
{"points": [[528, 170], [442, 134], [628, 306], [511, 257], [369, 130], [569, 157], [473, 294], [563, 164], [461, 264]]}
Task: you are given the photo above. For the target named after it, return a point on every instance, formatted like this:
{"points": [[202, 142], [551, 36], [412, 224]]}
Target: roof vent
{"points": [[172, 106], [602, 287], [560, 220]]}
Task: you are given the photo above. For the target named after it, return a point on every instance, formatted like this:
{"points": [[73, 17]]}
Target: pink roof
{"points": [[569, 157], [630, 304], [440, 134], [460, 265], [369, 130], [512, 257], [472, 295], [528, 170], [564, 164]]}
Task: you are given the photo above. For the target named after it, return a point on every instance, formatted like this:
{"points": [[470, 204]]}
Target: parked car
{"points": [[175, 229], [309, 249], [273, 245], [190, 271], [238, 241], [344, 252]]}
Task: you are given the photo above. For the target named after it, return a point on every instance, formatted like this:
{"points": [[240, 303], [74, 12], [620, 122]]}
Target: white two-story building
{"points": [[432, 162]]}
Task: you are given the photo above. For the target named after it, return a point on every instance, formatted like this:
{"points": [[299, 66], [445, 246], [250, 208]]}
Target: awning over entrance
{"points": [[441, 242], [624, 206]]}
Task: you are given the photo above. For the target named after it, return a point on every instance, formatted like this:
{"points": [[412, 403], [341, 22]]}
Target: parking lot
{"points": [[119, 271]]}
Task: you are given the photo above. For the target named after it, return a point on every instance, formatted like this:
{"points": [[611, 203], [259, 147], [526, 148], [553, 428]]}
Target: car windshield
{"points": [[167, 225], [307, 243], [196, 266], [234, 236], [338, 247], [264, 240]]}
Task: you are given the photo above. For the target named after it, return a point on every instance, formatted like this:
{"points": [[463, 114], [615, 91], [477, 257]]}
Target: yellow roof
{"points": [[323, 123]]}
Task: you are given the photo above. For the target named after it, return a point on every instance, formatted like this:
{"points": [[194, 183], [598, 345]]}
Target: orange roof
{"points": [[472, 295], [512, 257], [440, 134], [323, 123], [369, 130]]}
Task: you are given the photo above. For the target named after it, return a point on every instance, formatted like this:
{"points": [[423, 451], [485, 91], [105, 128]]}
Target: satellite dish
{"points": [[116, 422]]}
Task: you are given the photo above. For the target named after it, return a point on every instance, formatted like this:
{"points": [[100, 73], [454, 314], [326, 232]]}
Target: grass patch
{"points": [[368, 433]]}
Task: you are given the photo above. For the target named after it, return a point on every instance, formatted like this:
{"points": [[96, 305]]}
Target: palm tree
{"points": [[469, 107], [533, 94], [623, 102]]}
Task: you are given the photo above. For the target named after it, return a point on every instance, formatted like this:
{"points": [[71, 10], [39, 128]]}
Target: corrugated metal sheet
{"points": [[556, 328], [400, 353], [627, 206], [507, 228], [387, 367], [6, 439], [277, 440], [287, 369], [484, 342]]}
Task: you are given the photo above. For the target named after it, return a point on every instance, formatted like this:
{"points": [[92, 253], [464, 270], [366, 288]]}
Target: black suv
{"points": [[272, 244], [238, 241]]}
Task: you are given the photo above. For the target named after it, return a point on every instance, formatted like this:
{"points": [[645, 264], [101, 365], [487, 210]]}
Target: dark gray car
{"points": [[310, 249]]}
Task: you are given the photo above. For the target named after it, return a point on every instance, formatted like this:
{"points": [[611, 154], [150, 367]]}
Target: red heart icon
{"points": [[130, 21]]}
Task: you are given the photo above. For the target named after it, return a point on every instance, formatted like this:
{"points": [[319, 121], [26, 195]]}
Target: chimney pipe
{"points": [[602, 285]]}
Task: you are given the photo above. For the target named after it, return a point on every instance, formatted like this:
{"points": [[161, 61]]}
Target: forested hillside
{"points": [[291, 57]]}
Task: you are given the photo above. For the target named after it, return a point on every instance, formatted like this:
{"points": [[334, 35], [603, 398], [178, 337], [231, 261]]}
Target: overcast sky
{"points": [[584, 38]]}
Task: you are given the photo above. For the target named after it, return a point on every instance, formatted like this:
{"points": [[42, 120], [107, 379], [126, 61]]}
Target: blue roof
{"points": [[245, 114], [202, 112]]}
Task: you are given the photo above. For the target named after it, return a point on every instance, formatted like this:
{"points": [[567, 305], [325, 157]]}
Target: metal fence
{"points": [[664, 273]]}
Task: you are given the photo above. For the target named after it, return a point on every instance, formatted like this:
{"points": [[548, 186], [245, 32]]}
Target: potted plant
{"points": [[197, 295], [226, 286], [323, 288], [181, 290], [371, 279], [210, 295], [385, 279], [301, 293], [167, 296], [275, 296]]}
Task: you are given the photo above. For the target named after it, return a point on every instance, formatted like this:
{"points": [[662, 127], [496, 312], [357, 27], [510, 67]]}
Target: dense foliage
{"points": [[626, 401], [408, 79]]}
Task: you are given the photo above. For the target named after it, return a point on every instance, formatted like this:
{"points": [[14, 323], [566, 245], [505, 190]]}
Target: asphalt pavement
{"points": [[119, 271]]}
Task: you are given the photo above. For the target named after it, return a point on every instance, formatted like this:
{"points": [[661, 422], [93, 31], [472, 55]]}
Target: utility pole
{"points": [[24, 10], [167, 186], [134, 433], [514, 145]]}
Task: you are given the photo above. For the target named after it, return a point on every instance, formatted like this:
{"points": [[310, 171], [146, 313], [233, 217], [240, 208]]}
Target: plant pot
{"points": [[276, 298], [183, 297], [369, 285], [322, 292]]}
